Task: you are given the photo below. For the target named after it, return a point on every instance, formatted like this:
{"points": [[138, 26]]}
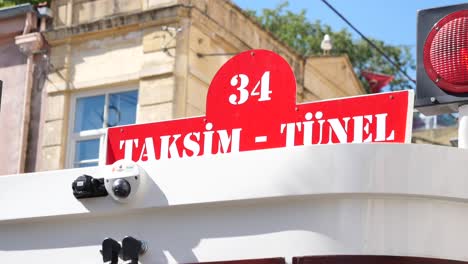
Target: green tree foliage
{"points": [[7, 3], [305, 37]]}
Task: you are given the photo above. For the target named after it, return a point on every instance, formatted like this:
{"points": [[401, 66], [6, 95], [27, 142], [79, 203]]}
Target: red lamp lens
{"points": [[446, 52]]}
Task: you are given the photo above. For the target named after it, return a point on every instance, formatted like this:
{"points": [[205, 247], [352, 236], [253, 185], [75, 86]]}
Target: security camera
{"points": [[121, 188], [123, 180]]}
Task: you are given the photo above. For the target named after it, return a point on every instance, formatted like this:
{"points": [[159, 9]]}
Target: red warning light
{"points": [[446, 53]]}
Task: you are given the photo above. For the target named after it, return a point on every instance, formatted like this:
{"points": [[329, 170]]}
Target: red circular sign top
{"points": [[251, 87]]}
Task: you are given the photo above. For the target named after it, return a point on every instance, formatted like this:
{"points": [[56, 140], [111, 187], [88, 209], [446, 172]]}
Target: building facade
{"points": [[115, 62], [106, 63]]}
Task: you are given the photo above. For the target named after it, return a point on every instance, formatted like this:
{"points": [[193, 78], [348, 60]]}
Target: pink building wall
{"points": [[12, 73], [20, 47]]}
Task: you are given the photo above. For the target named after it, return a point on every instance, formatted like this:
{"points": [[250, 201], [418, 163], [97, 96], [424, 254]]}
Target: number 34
{"points": [[244, 94]]}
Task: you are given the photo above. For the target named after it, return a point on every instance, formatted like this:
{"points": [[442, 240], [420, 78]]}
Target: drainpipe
{"points": [[29, 44]]}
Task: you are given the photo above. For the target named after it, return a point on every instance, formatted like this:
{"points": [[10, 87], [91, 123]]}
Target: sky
{"points": [[392, 21]]}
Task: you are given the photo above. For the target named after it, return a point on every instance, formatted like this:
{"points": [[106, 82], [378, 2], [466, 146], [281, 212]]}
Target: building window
{"points": [[92, 115]]}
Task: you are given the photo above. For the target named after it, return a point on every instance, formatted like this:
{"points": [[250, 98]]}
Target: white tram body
{"points": [[350, 199]]}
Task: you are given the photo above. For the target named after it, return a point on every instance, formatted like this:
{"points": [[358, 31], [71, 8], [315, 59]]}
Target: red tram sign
{"points": [[251, 105]]}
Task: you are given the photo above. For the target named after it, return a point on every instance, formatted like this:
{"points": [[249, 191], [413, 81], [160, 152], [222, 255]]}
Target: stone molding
{"points": [[30, 43], [170, 14]]}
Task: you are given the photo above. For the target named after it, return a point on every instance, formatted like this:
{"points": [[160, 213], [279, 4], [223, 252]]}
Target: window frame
{"points": [[101, 133]]}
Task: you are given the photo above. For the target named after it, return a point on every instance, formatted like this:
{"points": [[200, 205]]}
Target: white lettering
{"points": [[340, 131], [192, 145], [169, 149], [366, 128], [148, 150], [308, 128], [128, 151], [360, 127], [290, 132], [225, 140], [381, 127], [208, 140]]}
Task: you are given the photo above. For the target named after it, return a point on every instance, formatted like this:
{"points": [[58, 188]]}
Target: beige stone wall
{"points": [[201, 70], [52, 155], [241, 31], [217, 27], [156, 96], [220, 27], [74, 12], [330, 77], [227, 29], [105, 44], [137, 58]]}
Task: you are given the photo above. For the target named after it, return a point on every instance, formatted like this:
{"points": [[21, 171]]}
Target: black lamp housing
{"points": [[441, 44]]}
